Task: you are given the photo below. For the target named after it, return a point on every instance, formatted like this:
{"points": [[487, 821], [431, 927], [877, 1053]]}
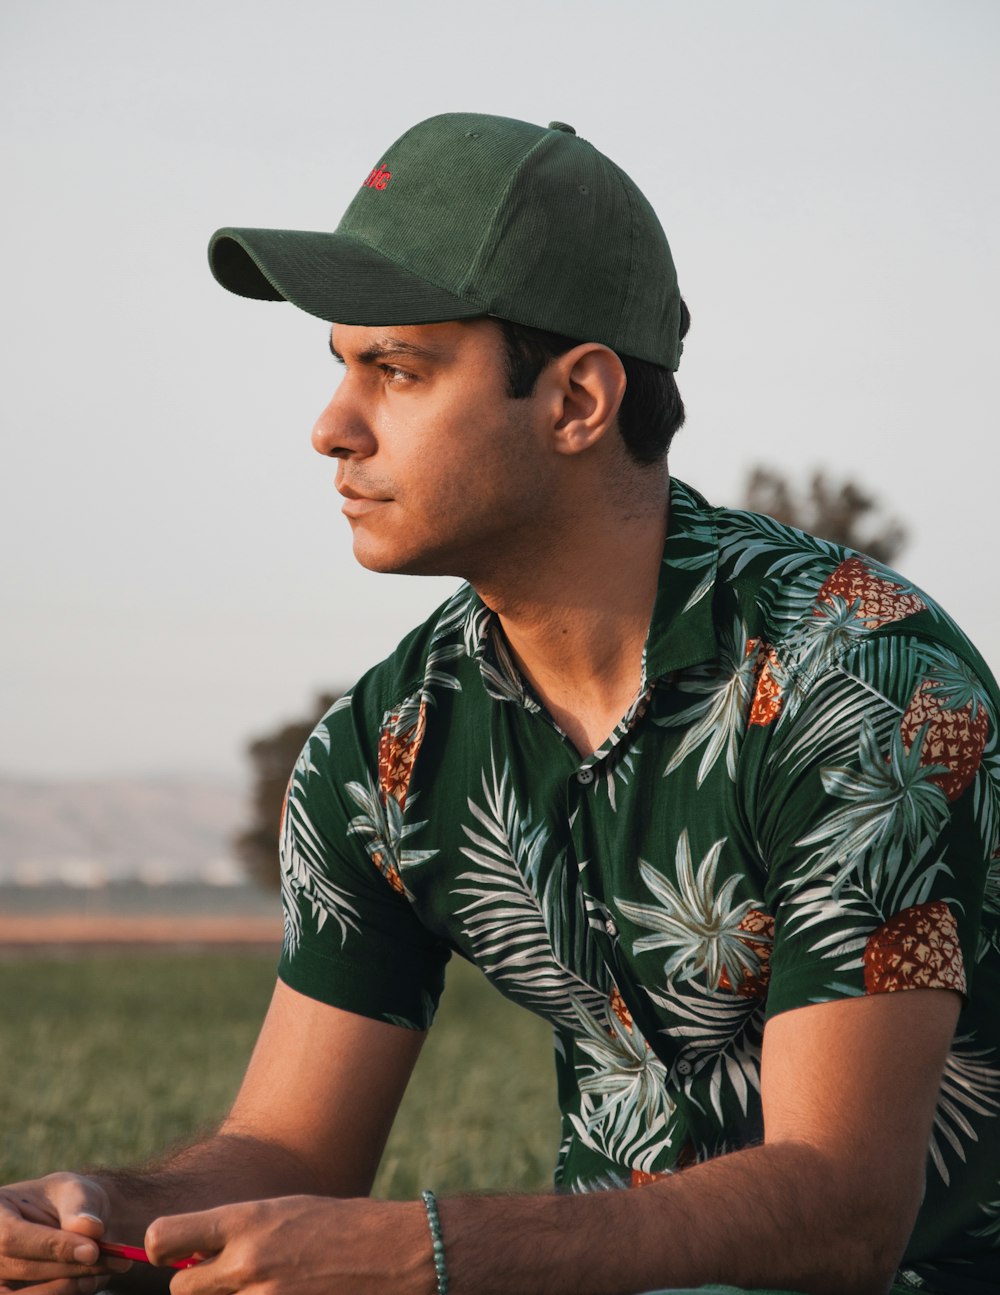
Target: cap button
{"points": [[561, 125]]}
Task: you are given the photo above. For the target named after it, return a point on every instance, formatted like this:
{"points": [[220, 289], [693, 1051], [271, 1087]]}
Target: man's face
{"points": [[442, 472]]}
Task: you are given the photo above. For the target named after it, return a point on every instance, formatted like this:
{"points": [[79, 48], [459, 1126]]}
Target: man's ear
{"points": [[586, 385]]}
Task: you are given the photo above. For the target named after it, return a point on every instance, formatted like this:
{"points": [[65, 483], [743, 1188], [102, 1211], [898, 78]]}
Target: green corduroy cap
{"points": [[469, 215]]}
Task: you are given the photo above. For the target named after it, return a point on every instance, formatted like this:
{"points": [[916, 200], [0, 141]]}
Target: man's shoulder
{"points": [[801, 590], [752, 552], [806, 603]]}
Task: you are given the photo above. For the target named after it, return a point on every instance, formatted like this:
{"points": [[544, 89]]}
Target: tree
{"points": [[272, 757], [843, 512]]}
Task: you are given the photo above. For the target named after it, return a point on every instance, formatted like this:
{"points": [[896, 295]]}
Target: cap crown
{"points": [[527, 223]]}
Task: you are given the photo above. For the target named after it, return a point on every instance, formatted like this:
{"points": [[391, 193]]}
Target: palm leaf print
{"points": [[382, 827], [986, 807], [697, 923], [446, 645], [893, 807], [501, 676], [992, 1211], [530, 938], [830, 630], [692, 544], [719, 720], [855, 912], [618, 769], [970, 1086], [626, 1075], [304, 877], [475, 624], [861, 687], [625, 1107], [305, 765], [454, 615], [609, 1181], [720, 1035], [845, 944], [744, 537]]}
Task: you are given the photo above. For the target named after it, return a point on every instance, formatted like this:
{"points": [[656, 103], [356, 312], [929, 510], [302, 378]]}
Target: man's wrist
{"points": [[437, 1240]]}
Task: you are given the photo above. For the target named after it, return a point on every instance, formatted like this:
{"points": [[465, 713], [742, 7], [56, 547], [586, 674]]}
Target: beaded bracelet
{"points": [[437, 1242]]}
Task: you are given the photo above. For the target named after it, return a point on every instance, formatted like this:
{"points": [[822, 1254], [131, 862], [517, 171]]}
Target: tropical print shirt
{"points": [[802, 804]]}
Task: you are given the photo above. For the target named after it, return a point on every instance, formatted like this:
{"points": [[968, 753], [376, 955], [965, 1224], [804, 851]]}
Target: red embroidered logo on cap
{"points": [[379, 178]]}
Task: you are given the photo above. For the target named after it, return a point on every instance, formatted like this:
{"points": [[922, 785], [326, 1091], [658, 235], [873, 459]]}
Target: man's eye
{"points": [[396, 375]]}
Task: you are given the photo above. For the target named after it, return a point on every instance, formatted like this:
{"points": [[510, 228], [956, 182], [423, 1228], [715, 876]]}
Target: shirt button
{"points": [[611, 928], [585, 776], [683, 1067]]}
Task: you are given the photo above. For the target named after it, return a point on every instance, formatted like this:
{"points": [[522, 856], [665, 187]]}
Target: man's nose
{"points": [[340, 432]]}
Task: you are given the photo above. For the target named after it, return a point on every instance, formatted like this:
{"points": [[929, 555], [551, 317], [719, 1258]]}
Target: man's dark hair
{"points": [[651, 409]]}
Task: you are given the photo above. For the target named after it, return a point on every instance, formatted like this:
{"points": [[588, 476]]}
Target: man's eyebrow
{"points": [[386, 348]]}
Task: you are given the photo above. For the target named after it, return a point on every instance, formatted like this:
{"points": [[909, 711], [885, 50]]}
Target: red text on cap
{"points": [[379, 178]]}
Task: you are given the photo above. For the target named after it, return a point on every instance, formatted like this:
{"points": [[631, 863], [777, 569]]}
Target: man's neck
{"points": [[578, 623]]}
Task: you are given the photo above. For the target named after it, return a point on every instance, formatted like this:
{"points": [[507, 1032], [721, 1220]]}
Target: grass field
{"points": [[105, 1060]]}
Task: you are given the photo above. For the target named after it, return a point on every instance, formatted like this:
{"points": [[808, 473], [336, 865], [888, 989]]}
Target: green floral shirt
{"points": [[802, 804]]}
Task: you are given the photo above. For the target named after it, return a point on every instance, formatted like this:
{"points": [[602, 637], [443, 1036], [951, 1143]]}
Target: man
{"points": [[716, 798]]}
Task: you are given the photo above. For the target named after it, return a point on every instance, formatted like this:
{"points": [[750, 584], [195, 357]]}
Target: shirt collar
{"points": [[682, 630]]}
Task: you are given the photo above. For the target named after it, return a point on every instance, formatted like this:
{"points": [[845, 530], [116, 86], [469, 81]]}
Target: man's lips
{"points": [[359, 506], [356, 504]]}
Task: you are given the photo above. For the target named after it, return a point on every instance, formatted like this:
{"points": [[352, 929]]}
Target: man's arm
{"points": [[824, 1206], [312, 1115]]}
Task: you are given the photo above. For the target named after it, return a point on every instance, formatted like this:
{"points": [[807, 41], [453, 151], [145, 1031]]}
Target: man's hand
{"points": [[48, 1235], [298, 1245]]}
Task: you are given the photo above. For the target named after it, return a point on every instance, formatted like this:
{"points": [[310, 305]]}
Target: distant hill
{"points": [[156, 830]]}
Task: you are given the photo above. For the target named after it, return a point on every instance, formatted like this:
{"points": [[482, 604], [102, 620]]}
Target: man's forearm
{"points": [[219, 1170], [774, 1215], [783, 1215]]}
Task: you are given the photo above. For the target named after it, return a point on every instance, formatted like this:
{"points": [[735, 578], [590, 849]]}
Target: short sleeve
{"points": [[351, 937], [877, 819]]}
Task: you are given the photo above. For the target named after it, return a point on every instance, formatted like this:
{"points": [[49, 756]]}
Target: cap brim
{"points": [[332, 276]]}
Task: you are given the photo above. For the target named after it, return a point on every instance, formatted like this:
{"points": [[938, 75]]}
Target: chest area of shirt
{"points": [[572, 881]]}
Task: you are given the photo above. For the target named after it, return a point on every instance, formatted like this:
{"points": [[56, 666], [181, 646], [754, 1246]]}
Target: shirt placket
{"points": [[581, 788]]}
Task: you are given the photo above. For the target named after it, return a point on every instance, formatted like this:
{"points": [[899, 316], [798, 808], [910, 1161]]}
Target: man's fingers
{"points": [[23, 1208], [81, 1204], [14, 1210], [89, 1225], [213, 1277], [61, 1286], [53, 1220], [35, 1271], [91, 1285], [25, 1272], [42, 1245], [177, 1236]]}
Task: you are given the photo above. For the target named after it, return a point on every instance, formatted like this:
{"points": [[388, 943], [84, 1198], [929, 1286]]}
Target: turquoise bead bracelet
{"points": [[437, 1241]]}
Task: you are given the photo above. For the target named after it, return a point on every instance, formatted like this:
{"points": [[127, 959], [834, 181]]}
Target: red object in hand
{"points": [[137, 1253]]}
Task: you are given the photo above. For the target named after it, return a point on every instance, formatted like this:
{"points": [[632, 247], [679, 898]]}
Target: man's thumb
{"points": [[91, 1225]]}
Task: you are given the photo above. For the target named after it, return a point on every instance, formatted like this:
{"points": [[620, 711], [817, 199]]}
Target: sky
{"points": [[176, 574]]}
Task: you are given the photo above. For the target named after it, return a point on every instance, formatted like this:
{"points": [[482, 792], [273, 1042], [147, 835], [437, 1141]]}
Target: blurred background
{"points": [[177, 581]]}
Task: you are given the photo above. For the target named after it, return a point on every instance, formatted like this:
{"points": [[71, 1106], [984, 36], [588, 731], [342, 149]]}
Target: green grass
{"points": [[107, 1060]]}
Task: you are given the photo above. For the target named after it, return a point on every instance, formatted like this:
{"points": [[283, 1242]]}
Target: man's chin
{"points": [[387, 561]]}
